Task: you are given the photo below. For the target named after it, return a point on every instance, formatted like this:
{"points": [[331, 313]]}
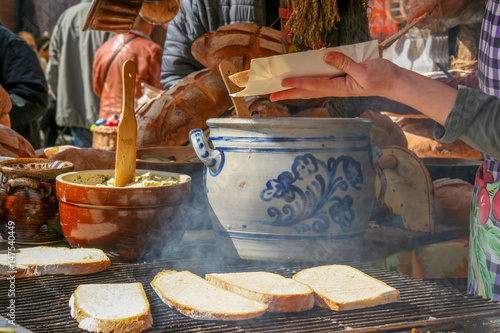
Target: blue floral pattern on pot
{"points": [[312, 196]]}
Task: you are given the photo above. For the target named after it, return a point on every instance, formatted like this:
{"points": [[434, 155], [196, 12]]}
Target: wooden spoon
{"points": [[126, 146]]}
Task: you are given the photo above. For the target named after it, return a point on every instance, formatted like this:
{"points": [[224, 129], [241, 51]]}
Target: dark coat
{"points": [[22, 77]]}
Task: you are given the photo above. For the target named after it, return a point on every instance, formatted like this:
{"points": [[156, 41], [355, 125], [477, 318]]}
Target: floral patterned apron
{"points": [[484, 243]]}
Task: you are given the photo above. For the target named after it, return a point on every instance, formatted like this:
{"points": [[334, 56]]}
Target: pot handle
{"points": [[45, 189], [212, 158]]}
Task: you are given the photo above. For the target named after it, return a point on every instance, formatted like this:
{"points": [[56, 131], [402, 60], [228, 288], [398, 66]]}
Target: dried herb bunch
{"points": [[312, 19], [329, 22]]}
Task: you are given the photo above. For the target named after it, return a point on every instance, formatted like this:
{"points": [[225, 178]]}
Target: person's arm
{"points": [[52, 71], [466, 113], [178, 61], [449, 13], [155, 69], [98, 73], [474, 119], [377, 77], [25, 82]]}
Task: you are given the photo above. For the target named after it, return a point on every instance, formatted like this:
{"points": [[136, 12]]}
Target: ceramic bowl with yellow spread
{"points": [[129, 223]]}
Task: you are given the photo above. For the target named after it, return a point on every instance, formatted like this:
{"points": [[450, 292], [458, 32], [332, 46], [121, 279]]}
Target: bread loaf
{"points": [[197, 298], [279, 293], [238, 43], [167, 119], [87, 158], [385, 132], [118, 307], [342, 287], [268, 109], [45, 260], [13, 144], [420, 136], [452, 202]]}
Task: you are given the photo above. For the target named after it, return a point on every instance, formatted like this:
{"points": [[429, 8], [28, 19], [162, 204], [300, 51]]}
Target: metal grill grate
{"points": [[42, 302]]}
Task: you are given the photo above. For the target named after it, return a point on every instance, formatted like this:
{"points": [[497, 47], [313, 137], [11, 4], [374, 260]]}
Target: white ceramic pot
{"points": [[289, 189]]}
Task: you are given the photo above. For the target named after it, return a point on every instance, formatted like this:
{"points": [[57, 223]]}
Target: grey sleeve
{"points": [[475, 119], [177, 60]]}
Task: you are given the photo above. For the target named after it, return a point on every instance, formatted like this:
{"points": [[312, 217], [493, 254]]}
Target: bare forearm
{"points": [[426, 95]]}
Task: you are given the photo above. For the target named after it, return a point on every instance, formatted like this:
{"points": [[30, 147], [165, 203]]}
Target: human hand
{"points": [[368, 78], [438, 10], [5, 102]]}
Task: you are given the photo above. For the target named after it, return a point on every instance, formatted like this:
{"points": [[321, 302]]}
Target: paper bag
{"points": [[267, 73]]}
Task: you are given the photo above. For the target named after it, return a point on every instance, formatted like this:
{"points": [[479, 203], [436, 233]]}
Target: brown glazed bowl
{"points": [[181, 159], [29, 209], [130, 224]]}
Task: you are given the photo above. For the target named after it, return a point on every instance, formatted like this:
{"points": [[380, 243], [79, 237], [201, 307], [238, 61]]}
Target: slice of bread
{"points": [[279, 293], [118, 307], [341, 287], [197, 298], [240, 78], [45, 260]]}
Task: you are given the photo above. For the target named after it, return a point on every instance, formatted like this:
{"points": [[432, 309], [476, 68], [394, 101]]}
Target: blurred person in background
{"points": [[135, 45], [202, 16], [22, 77], [464, 113], [42, 47], [69, 72], [48, 123]]}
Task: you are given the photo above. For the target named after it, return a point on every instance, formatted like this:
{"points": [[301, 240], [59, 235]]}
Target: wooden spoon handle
{"points": [[227, 68], [126, 147]]}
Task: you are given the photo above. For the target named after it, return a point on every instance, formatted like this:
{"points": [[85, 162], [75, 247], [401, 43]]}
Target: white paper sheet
{"points": [[267, 73]]}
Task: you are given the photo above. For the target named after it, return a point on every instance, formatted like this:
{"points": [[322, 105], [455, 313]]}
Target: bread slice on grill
{"points": [[199, 299], [118, 307], [342, 287], [45, 260], [279, 293]]}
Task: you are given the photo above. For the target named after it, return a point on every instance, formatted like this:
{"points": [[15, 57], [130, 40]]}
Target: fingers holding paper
{"points": [[368, 78]]}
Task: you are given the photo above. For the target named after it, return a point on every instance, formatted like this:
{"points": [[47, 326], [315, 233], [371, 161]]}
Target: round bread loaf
{"points": [[167, 119], [419, 133], [13, 144], [452, 201], [384, 131], [268, 109], [238, 43]]}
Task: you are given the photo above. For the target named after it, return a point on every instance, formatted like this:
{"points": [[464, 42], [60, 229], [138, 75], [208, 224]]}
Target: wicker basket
{"points": [[104, 137]]}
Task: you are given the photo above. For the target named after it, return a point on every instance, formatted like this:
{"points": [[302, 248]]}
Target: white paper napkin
{"points": [[267, 73]]}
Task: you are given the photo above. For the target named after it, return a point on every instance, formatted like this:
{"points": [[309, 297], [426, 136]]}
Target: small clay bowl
{"points": [[29, 208], [128, 223]]}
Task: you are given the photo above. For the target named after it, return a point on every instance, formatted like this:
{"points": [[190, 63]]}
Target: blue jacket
{"points": [[200, 17]]}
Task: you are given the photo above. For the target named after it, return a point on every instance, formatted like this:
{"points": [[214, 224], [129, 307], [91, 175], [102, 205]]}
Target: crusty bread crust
{"points": [[165, 281], [91, 322], [167, 119], [237, 43], [81, 262], [298, 298], [342, 287]]}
